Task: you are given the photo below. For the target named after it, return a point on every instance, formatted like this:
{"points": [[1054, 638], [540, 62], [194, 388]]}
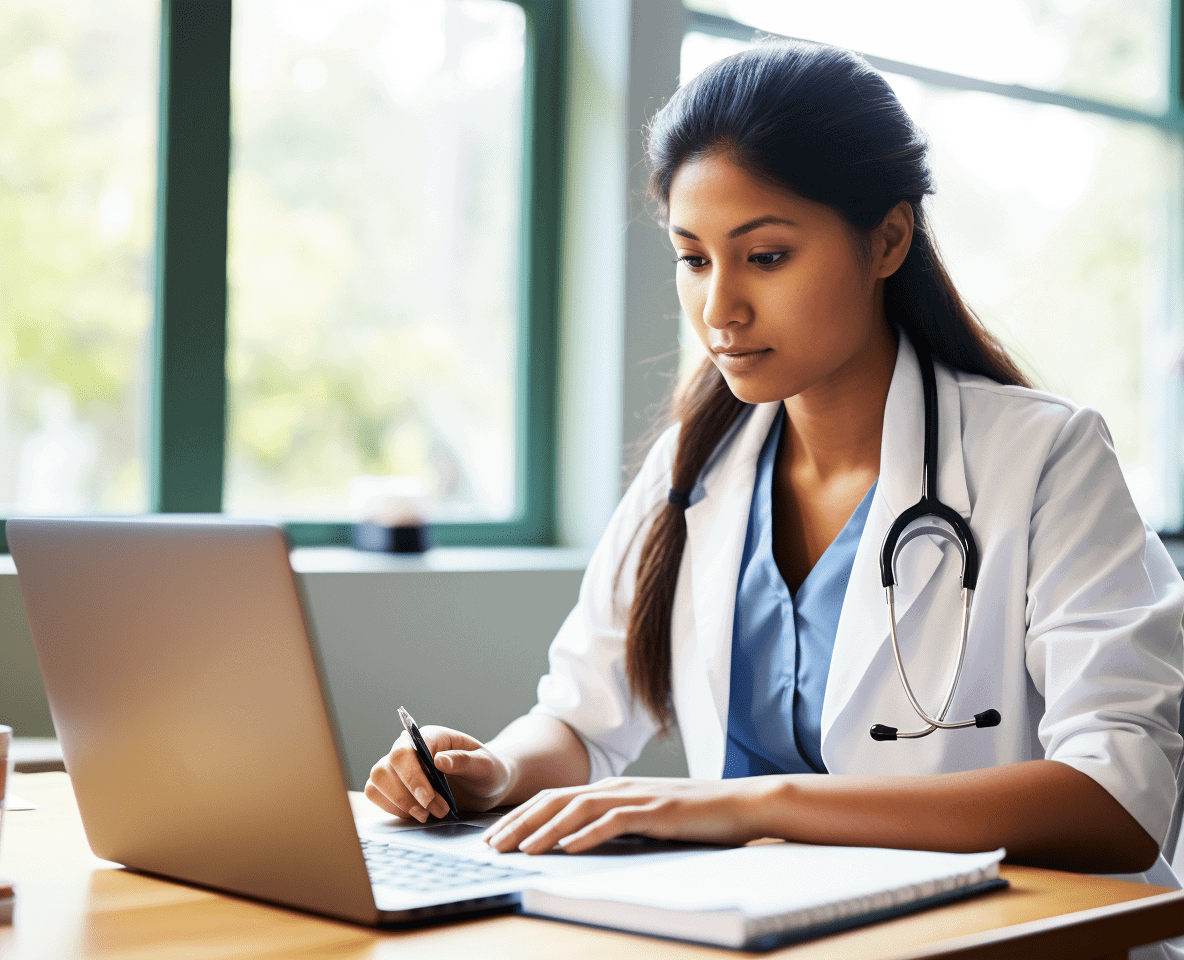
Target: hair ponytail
{"points": [[705, 408], [820, 122]]}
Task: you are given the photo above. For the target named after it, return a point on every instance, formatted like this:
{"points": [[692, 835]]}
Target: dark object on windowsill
{"points": [[381, 538], [36, 755]]}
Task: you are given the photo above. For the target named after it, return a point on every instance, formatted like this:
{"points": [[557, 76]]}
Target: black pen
{"points": [[435, 777]]}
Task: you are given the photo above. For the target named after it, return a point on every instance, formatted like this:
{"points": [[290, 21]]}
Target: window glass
{"points": [[78, 106], [1058, 228], [374, 253], [1101, 49]]}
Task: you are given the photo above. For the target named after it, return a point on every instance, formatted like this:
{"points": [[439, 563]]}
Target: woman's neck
{"points": [[835, 428]]}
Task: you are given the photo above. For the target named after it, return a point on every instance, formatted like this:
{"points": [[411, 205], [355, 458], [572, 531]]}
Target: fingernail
{"points": [[422, 796], [443, 763], [420, 814], [564, 841]]}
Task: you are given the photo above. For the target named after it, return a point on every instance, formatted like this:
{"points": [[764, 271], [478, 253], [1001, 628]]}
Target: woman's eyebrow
{"points": [[766, 221]]}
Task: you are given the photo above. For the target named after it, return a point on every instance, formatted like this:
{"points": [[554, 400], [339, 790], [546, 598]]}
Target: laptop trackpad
{"points": [[450, 830], [434, 831]]}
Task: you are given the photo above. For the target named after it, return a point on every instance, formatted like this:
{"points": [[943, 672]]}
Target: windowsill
{"points": [[470, 559], [436, 560]]}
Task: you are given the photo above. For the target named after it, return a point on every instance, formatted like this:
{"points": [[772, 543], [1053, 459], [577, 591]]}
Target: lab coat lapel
{"points": [[863, 624], [716, 527]]}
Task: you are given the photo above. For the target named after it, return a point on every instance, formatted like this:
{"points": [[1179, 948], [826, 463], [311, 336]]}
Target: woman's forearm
{"points": [[540, 752], [1044, 812]]}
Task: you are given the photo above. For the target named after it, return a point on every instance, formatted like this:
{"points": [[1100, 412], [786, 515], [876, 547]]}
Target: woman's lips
{"points": [[741, 361]]}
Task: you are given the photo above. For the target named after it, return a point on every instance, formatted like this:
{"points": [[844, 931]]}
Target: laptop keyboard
{"points": [[426, 870]]}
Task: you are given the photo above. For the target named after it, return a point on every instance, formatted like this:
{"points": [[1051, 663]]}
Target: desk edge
{"points": [[1154, 913]]}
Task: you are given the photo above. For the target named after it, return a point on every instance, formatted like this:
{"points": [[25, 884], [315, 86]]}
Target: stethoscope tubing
{"points": [[958, 532], [938, 722]]}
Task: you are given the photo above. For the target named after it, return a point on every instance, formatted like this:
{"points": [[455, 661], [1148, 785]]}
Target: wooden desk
{"points": [[71, 904]]}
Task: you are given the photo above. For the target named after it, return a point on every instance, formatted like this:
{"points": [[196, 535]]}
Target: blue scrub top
{"points": [[782, 642]]}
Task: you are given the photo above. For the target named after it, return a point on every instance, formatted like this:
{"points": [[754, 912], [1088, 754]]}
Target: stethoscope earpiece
{"points": [[962, 537]]}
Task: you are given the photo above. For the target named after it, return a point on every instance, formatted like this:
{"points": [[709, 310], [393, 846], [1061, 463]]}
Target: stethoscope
{"points": [[962, 537]]}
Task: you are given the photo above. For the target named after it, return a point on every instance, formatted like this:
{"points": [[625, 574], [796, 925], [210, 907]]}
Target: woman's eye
{"points": [[693, 262], [767, 259]]}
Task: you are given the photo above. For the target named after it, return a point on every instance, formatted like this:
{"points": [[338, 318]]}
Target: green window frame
{"points": [[187, 439]]}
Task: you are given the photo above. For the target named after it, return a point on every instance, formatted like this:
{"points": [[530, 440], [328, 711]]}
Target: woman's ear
{"points": [[892, 238]]}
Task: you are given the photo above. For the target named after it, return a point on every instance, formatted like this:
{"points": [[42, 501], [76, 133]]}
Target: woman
{"points": [[736, 593]]}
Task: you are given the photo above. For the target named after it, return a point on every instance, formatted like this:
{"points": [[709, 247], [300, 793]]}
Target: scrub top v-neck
{"points": [[781, 641]]}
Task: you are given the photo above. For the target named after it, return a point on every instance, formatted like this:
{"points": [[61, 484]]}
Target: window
{"points": [[1095, 49], [1058, 204], [392, 200], [374, 260], [77, 179]]}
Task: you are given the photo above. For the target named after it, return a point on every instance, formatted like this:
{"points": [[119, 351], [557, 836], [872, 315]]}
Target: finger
{"points": [[471, 777], [390, 775], [511, 816], [380, 800], [438, 807], [613, 823], [419, 791], [376, 797], [444, 738], [574, 817], [508, 820], [380, 796], [462, 763], [404, 762], [388, 785], [563, 804]]}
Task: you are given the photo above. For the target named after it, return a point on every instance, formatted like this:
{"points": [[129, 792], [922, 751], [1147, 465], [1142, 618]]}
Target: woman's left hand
{"points": [[579, 818]]}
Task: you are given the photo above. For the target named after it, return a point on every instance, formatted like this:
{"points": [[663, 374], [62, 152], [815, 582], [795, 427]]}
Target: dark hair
{"points": [[818, 121]]}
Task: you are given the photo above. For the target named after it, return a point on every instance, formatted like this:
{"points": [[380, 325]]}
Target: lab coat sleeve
{"points": [[1104, 643], [586, 685]]}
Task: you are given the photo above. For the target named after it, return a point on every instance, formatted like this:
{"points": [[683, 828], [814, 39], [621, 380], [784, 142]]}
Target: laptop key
{"points": [[428, 870]]}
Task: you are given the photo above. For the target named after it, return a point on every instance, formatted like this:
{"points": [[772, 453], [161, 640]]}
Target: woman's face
{"points": [[772, 282]]}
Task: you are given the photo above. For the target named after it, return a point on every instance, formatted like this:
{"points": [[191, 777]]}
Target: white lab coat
{"points": [[1075, 633]]}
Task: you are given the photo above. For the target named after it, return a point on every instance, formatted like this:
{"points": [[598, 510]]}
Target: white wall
{"points": [[462, 645]]}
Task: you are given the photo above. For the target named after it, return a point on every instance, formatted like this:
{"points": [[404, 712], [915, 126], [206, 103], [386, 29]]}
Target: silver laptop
{"points": [[197, 730]]}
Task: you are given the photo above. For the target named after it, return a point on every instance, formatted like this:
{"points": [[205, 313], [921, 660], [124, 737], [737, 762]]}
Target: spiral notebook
{"points": [[760, 897]]}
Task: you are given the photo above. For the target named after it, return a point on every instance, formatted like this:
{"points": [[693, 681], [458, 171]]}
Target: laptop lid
{"points": [[188, 702]]}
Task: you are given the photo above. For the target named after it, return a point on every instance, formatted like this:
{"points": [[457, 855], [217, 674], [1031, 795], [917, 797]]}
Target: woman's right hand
{"points": [[477, 777]]}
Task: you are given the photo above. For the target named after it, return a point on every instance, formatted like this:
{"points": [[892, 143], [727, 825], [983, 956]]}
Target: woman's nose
{"points": [[725, 303]]}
